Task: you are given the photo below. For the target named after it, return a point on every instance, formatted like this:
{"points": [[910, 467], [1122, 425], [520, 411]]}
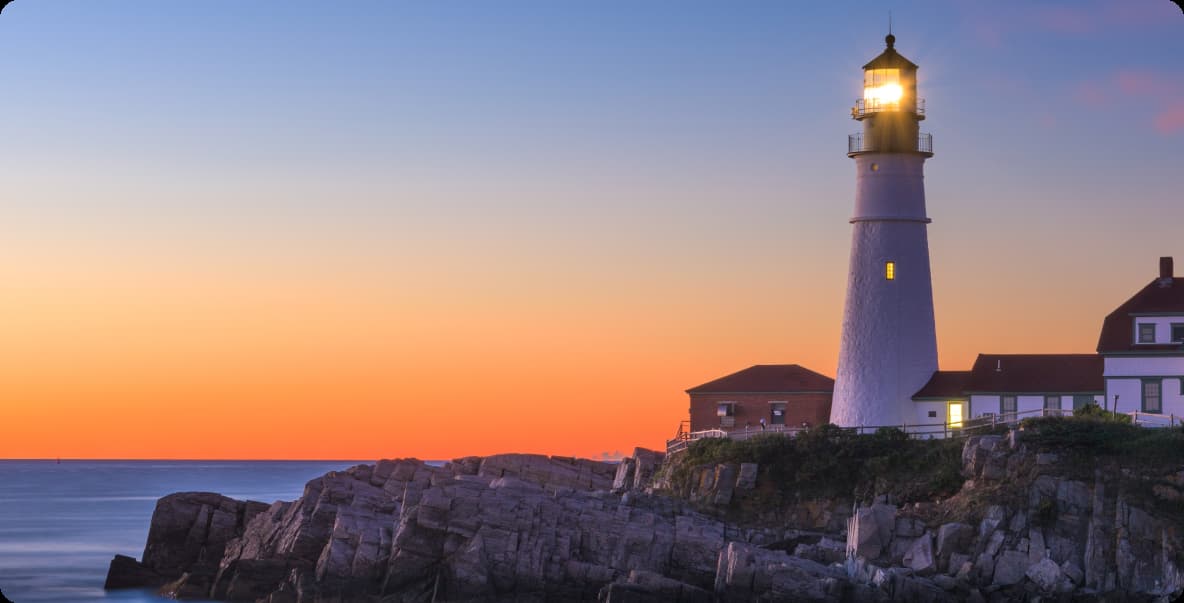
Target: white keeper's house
{"points": [[1142, 346]]}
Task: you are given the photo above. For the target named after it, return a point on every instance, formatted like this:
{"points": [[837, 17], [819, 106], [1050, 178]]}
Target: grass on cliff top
{"points": [[1107, 436], [828, 461]]}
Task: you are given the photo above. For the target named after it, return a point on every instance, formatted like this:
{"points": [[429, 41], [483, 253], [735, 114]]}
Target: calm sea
{"points": [[60, 524]]}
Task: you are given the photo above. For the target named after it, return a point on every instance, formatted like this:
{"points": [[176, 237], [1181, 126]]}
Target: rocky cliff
{"points": [[525, 527]]}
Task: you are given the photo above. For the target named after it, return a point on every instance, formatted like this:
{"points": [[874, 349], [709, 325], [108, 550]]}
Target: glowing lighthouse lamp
{"points": [[888, 348]]}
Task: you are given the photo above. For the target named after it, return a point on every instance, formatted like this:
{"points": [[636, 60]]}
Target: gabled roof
{"points": [[768, 378], [944, 385], [1160, 296], [1037, 373], [890, 58]]}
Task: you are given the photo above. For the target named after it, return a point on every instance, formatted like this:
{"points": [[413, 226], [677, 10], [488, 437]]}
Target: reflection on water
{"points": [[60, 524]]}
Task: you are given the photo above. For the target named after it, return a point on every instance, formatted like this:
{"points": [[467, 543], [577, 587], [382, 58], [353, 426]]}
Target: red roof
{"points": [[768, 378], [1118, 330], [944, 384], [1036, 373]]}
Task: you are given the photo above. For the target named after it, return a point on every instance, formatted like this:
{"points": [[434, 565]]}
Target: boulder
{"points": [[746, 480], [953, 538], [126, 572], [1010, 568], [870, 530], [919, 557], [1046, 574], [748, 573]]}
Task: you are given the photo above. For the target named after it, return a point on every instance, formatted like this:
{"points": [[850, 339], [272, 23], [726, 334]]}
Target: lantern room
{"points": [[889, 108], [889, 84]]}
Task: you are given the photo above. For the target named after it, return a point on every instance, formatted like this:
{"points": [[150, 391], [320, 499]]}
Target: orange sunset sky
{"points": [[437, 231]]}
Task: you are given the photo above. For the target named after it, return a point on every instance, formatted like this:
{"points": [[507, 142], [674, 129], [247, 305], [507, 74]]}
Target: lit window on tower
{"points": [[882, 89], [890, 271]]}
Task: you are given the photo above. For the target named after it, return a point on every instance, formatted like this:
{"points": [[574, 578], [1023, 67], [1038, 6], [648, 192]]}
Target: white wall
{"points": [[1150, 366], [982, 404], [1130, 395], [1163, 327], [923, 408]]}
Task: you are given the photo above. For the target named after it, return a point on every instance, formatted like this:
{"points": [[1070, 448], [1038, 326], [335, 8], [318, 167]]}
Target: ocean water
{"points": [[60, 524]]}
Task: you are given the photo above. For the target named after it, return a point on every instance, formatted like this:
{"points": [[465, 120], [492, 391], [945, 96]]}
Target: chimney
{"points": [[1165, 271]]}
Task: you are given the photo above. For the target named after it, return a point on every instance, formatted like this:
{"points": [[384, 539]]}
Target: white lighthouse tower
{"points": [[889, 344]]}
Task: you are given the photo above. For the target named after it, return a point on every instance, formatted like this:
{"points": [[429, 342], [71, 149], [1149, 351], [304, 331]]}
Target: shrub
{"points": [[1093, 411], [829, 461]]}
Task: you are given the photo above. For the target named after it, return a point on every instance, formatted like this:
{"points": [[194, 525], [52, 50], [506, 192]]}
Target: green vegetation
{"points": [[1104, 435], [829, 461], [1093, 411]]}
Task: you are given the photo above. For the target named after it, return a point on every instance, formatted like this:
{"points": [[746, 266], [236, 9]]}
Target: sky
{"points": [[384, 229]]}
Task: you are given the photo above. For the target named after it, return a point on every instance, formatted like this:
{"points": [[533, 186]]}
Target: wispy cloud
{"points": [[991, 24], [1171, 119], [1159, 91]]}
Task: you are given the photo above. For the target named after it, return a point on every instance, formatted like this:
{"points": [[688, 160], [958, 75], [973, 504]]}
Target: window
{"points": [[890, 271], [933, 414], [1052, 406], [726, 409], [1007, 408], [777, 416], [1146, 332], [1079, 401], [1151, 396], [955, 415], [1178, 332]]}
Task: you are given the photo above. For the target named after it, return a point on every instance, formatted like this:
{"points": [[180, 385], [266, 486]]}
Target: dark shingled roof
{"points": [[1118, 330], [890, 58], [944, 384], [1036, 373], [768, 378]]}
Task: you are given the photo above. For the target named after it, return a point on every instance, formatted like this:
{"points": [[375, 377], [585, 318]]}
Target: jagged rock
{"points": [[746, 480], [648, 587], [994, 517], [188, 534], [1046, 458], [825, 551], [623, 480], [1010, 568], [919, 557], [957, 562], [1046, 574], [952, 538], [869, 531], [909, 527], [4, 599], [126, 572], [1072, 572], [747, 573]]}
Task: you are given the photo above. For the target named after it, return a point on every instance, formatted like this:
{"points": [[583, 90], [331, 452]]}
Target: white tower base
{"points": [[889, 344]]}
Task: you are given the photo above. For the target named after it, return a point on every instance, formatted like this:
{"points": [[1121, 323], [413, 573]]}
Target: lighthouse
{"points": [[888, 348]]}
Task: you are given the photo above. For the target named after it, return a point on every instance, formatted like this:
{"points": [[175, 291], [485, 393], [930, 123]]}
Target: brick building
{"points": [[784, 395]]}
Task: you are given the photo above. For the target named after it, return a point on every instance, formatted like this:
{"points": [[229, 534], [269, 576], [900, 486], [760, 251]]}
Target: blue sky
{"points": [[669, 177]]}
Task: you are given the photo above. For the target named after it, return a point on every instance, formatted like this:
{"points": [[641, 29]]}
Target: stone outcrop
{"points": [[4, 599], [1069, 536], [533, 528]]}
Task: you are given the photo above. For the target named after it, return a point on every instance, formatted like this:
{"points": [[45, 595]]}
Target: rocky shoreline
{"points": [[535, 528]]}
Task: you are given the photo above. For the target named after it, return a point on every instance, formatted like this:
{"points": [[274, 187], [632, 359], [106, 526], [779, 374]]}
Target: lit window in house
{"points": [[1151, 397], [890, 270], [1146, 332], [955, 415]]}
